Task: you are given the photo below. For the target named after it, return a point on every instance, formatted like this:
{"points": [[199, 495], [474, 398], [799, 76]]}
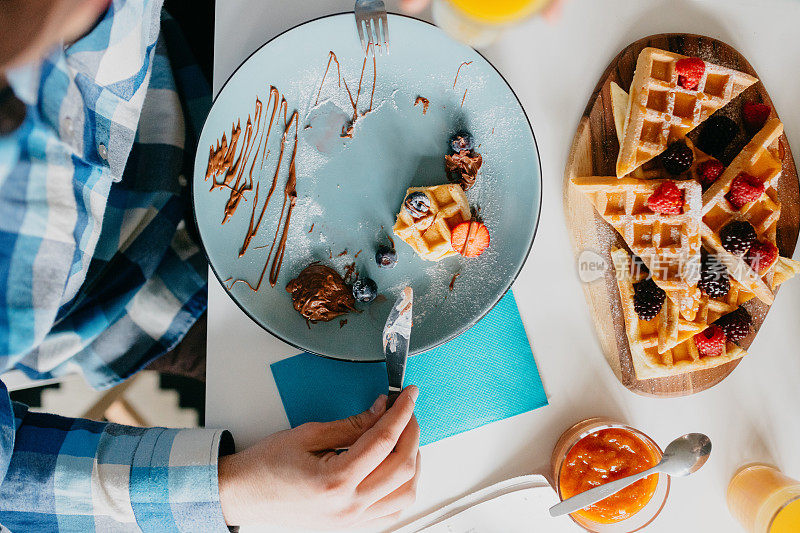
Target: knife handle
{"points": [[393, 394]]}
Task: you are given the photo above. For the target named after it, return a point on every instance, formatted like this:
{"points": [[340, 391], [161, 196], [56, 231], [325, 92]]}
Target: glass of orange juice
{"points": [[479, 22], [764, 500]]}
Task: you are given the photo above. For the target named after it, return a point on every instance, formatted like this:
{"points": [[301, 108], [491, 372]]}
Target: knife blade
{"points": [[396, 338]]}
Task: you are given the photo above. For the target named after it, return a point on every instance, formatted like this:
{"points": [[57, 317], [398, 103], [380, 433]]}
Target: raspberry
{"points": [[755, 115], [761, 256], [717, 133], [736, 325], [709, 171], [737, 237], [677, 158], [690, 70], [667, 199], [714, 279], [744, 189], [711, 341], [470, 238], [648, 298]]}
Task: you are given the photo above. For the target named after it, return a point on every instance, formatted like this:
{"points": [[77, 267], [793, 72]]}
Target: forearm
{"points": [[70, 473]]}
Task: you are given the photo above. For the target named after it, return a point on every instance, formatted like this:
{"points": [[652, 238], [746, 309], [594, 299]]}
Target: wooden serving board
{"points": [[594, 153]]}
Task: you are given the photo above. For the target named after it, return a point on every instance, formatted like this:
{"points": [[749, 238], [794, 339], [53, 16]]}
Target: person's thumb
{"points": [[343, 433]]}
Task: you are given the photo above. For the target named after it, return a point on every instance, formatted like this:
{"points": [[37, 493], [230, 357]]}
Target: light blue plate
{"points": [[350, 190]]}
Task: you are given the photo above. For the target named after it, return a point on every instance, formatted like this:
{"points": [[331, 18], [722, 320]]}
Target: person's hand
{"points": [[297, 478]]}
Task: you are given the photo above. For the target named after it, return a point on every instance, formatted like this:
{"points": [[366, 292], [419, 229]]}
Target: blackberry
{"points": [[648, 298], [737, 237], [717, 133], [714, 279], [677, 158], [736, 325]]}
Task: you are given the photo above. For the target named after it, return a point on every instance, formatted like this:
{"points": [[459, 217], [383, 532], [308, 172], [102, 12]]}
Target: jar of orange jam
{"points": [[598, 451]]}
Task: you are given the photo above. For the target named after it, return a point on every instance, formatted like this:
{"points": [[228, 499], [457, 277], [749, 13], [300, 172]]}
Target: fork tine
{"points": [[385, 24], [361, 33], [373, 31]]}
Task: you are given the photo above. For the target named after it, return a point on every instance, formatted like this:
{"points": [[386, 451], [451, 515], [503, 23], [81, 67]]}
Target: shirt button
{"points": [[68, 125], [102, 151], [182, 180]]}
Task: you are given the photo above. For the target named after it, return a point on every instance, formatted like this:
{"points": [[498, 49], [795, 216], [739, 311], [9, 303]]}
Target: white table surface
{"points": [[751, 416]]}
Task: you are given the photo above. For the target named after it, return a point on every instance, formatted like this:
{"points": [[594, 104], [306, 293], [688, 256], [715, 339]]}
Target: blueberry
{"points": [[418, 204], [386, 257], [365, 290], [462, 141]]}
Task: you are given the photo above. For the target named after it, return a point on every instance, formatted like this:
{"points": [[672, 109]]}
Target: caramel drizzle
{"points": [[221, 161], [453, 280], [289, 196], [465, 63], [253, 227], [425, 103], [224, 164], [347, 129]]}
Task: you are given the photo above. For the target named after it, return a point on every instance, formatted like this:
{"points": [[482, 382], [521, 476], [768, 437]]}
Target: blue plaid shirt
{"points": [[98, 272]]}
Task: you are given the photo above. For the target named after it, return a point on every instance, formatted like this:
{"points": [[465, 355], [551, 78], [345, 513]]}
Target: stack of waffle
{"points": [[659, 111]]}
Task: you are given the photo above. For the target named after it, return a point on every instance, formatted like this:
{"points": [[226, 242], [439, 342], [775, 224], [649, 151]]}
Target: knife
{"points": [[396, 337]]}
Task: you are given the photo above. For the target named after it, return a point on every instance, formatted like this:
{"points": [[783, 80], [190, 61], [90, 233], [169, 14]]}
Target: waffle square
{"points": [[759, 159], [430, 234], [661, 111], [668, 244], [652, 169], [643, 336]]}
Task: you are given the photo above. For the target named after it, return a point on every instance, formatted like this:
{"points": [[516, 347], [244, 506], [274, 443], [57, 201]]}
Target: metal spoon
{"points": [[684, 455]]}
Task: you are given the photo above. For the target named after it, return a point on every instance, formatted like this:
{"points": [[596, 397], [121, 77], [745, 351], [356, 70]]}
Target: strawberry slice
{"points": [[690, 70], [470, 239]]}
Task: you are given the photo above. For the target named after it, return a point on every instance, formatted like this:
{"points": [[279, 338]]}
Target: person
{"points": [[100, 109]]}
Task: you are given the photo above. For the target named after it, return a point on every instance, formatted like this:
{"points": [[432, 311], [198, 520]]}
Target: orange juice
{"points": [[787, 520], [479, 22], [764, 500], [498, 11]]}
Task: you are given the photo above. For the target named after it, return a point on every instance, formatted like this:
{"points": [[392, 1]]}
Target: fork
{"points": [[371, 21]]}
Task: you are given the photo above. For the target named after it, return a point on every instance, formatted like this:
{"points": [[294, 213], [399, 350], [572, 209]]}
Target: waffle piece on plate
{"points": [[652, 169], [755, 171], [663, 107], [784, 270], [669, 244], [643, 336], [429, 232]]}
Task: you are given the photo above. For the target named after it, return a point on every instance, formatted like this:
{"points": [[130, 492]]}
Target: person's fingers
{"points": [[413, 6], [319, 436], [399, 500], [397, 468], [378, 441]]}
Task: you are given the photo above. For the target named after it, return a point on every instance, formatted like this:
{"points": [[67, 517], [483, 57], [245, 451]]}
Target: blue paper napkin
{"points": [[486, 374]]}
